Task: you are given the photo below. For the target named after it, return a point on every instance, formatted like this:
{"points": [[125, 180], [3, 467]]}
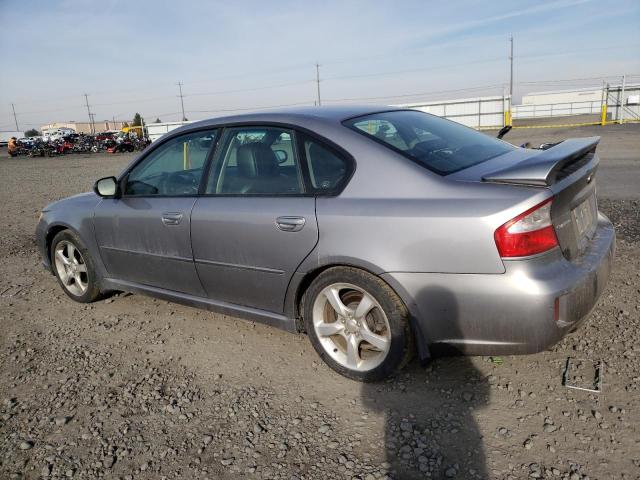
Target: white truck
{"points": [[56, 133], [5, 135]]}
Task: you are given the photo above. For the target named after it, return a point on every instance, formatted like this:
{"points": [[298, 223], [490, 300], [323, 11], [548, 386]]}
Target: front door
{"points": [[145, 236], [256, 222]]}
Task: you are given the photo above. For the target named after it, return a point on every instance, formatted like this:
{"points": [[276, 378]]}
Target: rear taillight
{"points": [[529, 233]]}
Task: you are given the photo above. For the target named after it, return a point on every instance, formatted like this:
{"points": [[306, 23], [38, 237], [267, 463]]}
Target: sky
{"points": [[128, 56]]}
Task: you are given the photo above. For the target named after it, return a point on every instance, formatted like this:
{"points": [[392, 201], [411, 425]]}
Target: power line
{"points": [[268, 87], [142, 100], [571, 80], [69, 108], [251, 108], [22, 114], [302, 66], [485, 87], [168, 114], [289, 68], [413, 70]]}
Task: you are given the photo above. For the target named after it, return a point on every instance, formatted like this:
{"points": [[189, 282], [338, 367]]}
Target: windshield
{"points": [[440, 145]]}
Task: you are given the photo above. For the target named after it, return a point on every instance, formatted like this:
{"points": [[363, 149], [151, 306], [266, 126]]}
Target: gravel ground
{"points": [[134, 387]]}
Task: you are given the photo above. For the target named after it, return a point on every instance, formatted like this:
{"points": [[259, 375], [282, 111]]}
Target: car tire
{"points": [[74, 268], [367, 347]]}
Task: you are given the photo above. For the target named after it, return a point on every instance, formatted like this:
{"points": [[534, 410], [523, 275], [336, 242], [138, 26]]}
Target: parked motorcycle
{"points": [[125, 145]]}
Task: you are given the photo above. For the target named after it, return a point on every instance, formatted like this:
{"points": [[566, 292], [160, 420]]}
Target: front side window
{"points": [[174, 168], [256, 161], [440, 145]]}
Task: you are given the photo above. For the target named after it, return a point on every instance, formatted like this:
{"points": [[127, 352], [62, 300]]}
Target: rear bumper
{"points": [[510, 313]]}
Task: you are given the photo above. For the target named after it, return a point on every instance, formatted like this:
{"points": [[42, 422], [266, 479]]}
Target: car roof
{"points": [[298, 115]]}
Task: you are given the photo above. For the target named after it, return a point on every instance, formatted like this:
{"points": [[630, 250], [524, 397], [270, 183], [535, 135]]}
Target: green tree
{"points": [[125, 124], [31, 133], [138, 121], [158, 120]]}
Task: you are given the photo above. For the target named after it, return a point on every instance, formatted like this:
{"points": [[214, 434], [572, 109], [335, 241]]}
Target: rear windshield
{"points": [[440, 145]]}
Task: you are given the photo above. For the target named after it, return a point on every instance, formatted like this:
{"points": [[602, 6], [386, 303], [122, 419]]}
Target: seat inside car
{"points": [[258, 171]]}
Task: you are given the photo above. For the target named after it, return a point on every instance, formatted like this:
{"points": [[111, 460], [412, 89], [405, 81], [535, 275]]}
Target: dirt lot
{"points": [[133, 387]]}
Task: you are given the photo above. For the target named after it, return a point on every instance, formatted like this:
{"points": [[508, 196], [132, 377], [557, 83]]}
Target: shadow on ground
{"points": [[430, 429]]}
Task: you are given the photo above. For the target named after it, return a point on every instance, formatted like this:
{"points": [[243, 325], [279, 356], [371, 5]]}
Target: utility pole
{"points": [[511, 70], [86, 100], [181, 101], [318, 82], [15, 119], [621, 108]]}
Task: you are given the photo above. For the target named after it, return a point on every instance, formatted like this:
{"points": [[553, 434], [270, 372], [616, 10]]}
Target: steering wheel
{"points": [[181, 183]]}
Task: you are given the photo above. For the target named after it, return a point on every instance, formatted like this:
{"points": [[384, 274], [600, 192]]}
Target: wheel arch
{"points": [[295, 304], [309, 277], [52, 231]]}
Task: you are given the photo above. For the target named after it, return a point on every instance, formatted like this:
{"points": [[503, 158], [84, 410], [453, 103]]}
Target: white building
{"points": [[622, 104], [563, 96], [156, 130], [478, 112], [85, 127]]}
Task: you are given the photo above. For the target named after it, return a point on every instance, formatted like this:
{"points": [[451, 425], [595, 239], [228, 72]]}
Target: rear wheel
{"points": [[357, 324], [74, 268]]}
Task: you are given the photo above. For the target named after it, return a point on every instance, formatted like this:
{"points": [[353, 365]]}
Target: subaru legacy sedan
{"points": [[380, 232]]}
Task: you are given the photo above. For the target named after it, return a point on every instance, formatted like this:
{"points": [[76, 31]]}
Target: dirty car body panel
{"points": [[430, 234]]}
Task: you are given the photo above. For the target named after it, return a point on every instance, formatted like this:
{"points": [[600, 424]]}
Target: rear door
{"points": [[256, 222], [145, 236]]}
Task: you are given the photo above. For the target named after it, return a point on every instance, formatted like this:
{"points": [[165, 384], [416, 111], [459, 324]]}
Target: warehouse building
{"points": [[622, 102], [578, 105], [83, 127]]}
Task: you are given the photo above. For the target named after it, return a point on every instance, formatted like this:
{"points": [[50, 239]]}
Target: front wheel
{"points": [[357, 324], [74, 268]]}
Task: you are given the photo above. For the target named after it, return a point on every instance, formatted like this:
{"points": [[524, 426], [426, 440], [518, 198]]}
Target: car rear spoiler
{"points": [[541, 169]]}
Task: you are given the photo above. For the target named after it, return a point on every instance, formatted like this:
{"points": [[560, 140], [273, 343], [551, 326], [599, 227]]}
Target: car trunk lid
{"points": [[568, 170], [574, 211]]}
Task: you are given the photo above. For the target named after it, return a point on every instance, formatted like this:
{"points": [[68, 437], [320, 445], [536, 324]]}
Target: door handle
{"points": [[290, 224], [171, 218]]}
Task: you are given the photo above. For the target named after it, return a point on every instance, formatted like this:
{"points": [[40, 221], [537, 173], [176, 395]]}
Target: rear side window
{"points": [[327, 168], [256, 161], [440, 145]]}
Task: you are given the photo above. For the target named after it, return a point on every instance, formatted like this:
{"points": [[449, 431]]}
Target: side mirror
{"points": [[281, 155], [106, 187]]}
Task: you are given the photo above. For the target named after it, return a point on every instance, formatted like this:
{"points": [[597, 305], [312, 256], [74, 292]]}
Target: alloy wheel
{"points": [[351, 326], [71, 268]]}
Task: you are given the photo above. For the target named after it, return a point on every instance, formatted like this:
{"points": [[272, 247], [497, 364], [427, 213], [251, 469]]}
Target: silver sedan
{"points": [[379, 232]]}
